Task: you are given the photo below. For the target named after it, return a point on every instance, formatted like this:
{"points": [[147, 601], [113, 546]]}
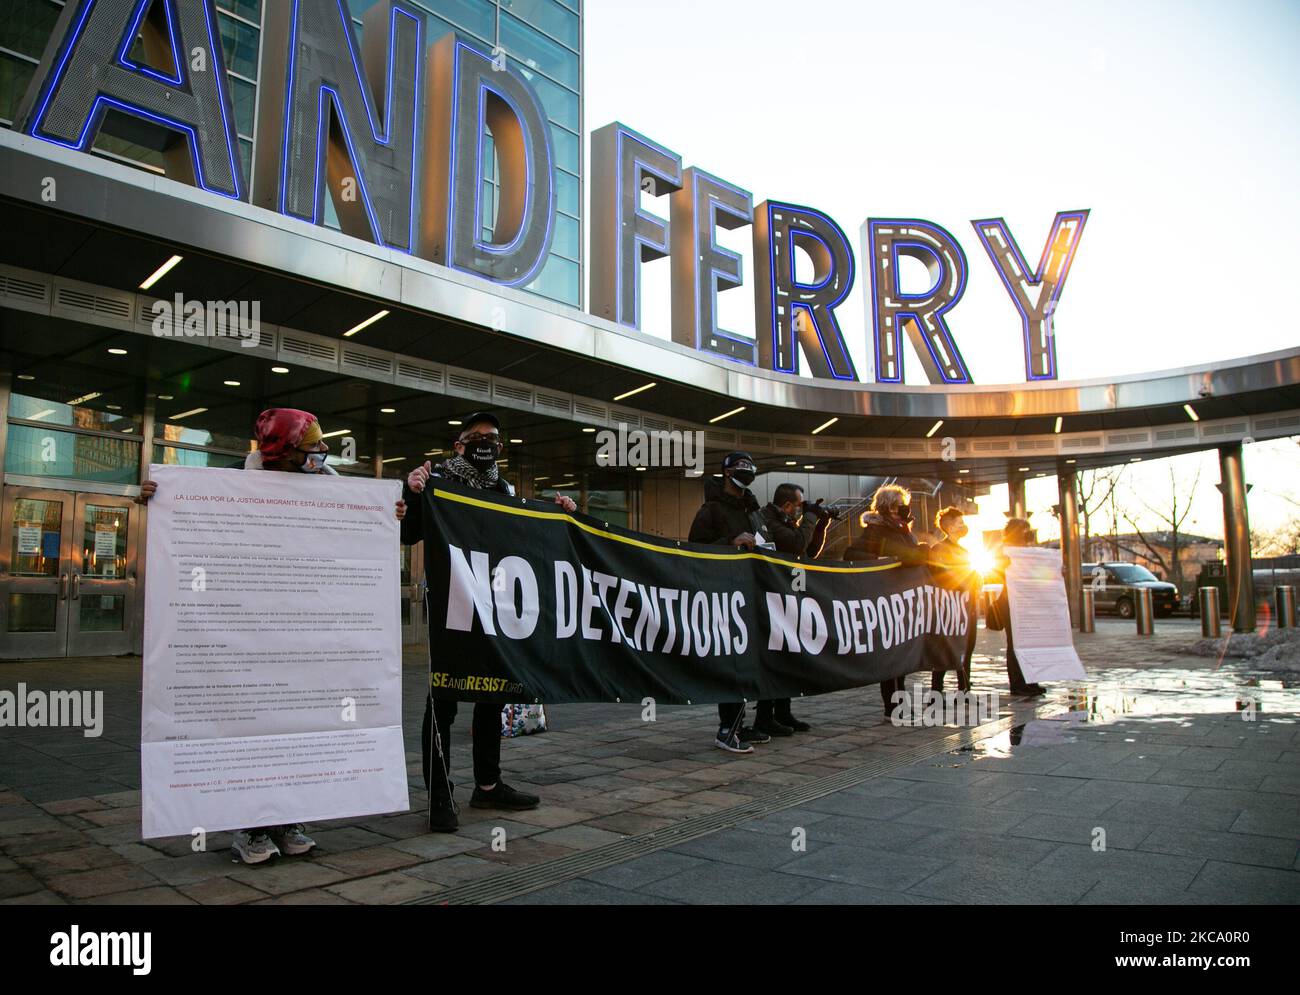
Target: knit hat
{"points": [[281, 429]]}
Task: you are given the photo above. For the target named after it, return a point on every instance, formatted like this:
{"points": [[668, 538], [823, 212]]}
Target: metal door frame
{"points": [[35, 645]]}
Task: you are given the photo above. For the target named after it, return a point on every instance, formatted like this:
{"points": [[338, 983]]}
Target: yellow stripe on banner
{"points": [[560, 516]]}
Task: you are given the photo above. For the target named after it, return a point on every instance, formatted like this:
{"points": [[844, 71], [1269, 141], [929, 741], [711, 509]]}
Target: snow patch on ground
{"points": [[1278, 649]]}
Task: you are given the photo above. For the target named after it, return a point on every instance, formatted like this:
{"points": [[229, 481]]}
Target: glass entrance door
{"points": [[101, 596], [415, 624], [35, 572], [67, 574]]}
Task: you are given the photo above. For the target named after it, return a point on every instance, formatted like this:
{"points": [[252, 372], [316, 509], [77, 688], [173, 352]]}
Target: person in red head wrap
{"points": [[289, 439]]}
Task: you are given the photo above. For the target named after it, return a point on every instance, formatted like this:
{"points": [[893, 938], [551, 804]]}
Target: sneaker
{"points": [[442, 816], [254, 847], [732, 743], [773, 727], [793, 724], [292, 840], [1029, 690], [503, 796], [756, 737]]}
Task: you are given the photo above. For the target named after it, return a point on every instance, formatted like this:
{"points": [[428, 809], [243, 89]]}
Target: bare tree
{"points": [[1096, 490], [1171, 514], [1281, 541]]}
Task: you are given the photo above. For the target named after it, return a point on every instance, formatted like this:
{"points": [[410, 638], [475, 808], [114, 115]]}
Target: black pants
{"points": [[487, 743], [887, 689], [728, 712], [1014, 675], [778, 708]]}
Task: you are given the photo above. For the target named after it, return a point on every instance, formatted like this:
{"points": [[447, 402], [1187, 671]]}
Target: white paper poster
{"points": [[29, 540], [1040, 616], [105, 542], [272, 651]]}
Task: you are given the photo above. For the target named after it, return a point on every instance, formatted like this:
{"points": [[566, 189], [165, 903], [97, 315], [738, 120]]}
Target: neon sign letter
{"points": [[787, 309], [470, 95], [88, 74], [701, 268], [1036, 314], [623, 236], [921, 315]]}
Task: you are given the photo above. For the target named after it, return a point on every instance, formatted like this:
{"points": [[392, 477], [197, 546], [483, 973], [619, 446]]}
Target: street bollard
{"points": [[1087, 610], [1145, 613], [1209, 606], [1284, 602]]}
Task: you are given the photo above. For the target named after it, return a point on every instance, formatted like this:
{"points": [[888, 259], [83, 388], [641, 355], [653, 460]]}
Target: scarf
{"points": [[463, 471]]}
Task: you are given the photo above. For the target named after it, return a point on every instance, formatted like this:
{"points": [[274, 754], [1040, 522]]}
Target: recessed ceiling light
{"points": [[117, 352], [365, 324], [25, 376], [934, 428], [808, 466], [1040, 475], [824, 425], [331, 435], [114, 407], [589, 430], [40, 414], [160, 272], [1072, 461], [727, 414], [166, 397], [1135, 459], [963, 471], [83, 399], [516, 442], [536, 479], [454, 421], [186, 414], [395, 459], [1059, 421], [388, 411], [434, 452], [279, 369], [629, 393], [1023, 469], [791, 462], [231, 383], [1191, 413], [640, 469]]}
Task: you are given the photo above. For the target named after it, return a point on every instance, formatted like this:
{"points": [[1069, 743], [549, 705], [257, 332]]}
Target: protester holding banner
{"points": [[477, 449], [796, 527], [1017, 532], [730, 517], [952, 570], [887, 531], [289, 441]]}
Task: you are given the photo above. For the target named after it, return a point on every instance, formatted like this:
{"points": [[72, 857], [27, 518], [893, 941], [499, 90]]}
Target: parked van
{"points": [[1114, 586]]}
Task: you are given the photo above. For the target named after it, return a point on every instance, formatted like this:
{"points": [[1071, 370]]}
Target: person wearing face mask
{"points": [[730, 517], [887, 532], [952, 570], [288, 441], [796, 527], [474, 464]]}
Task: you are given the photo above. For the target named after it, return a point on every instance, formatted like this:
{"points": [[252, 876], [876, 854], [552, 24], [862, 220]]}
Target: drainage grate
{"points": [[511, 884]]}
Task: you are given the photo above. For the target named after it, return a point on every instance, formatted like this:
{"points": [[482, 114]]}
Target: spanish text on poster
{"points": [[1040, 616], [272, 652]]}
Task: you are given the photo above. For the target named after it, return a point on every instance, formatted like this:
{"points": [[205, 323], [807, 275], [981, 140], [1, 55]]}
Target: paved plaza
{"points": [[1165, 778]]}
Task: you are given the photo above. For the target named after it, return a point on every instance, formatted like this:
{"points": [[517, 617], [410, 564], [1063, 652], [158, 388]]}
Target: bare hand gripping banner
{"points": [[527, 603]]}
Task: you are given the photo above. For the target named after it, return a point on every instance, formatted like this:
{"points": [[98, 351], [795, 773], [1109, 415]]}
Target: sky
{"points": [[1170, 120]]}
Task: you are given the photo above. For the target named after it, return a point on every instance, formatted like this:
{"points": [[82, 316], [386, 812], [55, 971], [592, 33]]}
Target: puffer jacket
{"points": [[722, 517], [883, 537]]}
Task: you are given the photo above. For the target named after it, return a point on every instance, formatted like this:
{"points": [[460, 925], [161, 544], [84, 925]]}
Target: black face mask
{"points": [[482, 455], [743, 477], [904, 514]]}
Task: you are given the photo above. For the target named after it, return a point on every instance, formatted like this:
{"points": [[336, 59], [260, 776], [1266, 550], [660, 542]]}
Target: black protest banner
{"points": [[527, 603]]}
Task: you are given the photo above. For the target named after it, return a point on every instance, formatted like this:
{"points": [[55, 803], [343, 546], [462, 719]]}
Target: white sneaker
{"points": [[292, 840], [254, 848]]}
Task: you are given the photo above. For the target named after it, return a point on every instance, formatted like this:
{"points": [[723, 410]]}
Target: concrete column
{"points": [[1016, 494], [1071, 559], [1236, 538]]}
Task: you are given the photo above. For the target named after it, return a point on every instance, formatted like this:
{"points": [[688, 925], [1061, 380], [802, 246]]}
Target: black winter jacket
{"points": [[722, 517], [885, 537]]}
